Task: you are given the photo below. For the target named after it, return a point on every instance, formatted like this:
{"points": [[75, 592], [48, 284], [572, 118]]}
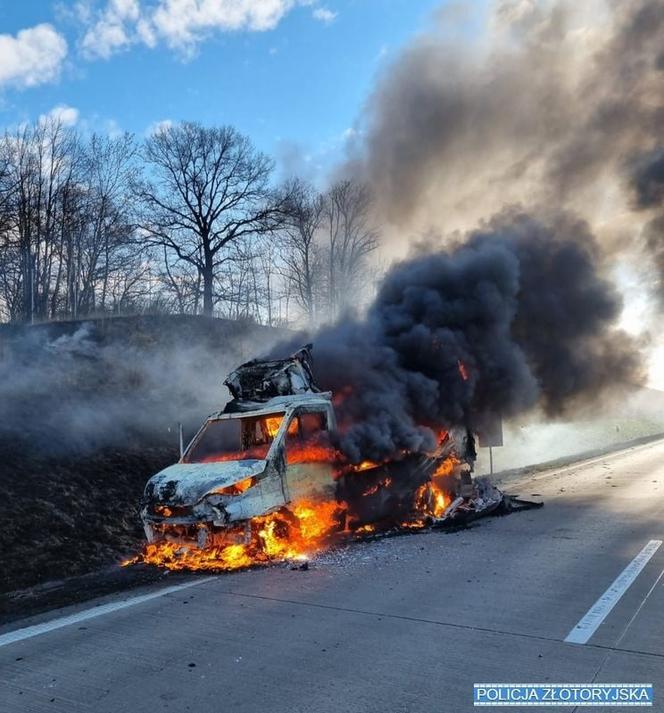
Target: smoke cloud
{"points": [[516, 316], [121, 382], [544, 129], [545, 107]]}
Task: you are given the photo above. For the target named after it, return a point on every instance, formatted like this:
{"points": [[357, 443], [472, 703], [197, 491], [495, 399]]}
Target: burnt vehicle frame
{"points": [[213, 502], [201, 501]]}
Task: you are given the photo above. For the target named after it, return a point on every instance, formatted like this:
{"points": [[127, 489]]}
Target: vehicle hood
{"points": [[187, 483]]}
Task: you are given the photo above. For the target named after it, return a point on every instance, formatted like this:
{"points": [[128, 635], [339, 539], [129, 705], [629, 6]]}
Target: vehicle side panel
{"points": [[310, 481]]}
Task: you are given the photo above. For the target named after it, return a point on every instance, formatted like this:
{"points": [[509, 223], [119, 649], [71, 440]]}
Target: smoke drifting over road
{"points": [[514, 317]]}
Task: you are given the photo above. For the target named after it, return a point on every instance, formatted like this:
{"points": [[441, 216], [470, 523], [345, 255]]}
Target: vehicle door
{"points": [[309, 457]]}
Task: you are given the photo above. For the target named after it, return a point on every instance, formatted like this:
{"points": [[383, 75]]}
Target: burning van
{"points": [[241, 465], [265, 470]]}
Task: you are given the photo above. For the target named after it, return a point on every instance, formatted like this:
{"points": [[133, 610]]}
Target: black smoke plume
{"points": [[517, 316], [542, 107]]}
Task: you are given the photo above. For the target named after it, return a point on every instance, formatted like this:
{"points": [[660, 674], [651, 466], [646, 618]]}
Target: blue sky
{"points": [[294, 74]]}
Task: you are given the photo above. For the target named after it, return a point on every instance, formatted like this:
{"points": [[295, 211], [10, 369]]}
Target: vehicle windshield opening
{"points": [[235, 439]]}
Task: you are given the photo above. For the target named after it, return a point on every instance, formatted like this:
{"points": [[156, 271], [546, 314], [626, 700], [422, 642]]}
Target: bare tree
{"points": [[42, 162], [266, 274], [65, 222], [6, 187], [98, 246], [111, 170], [350, 239], [8, 264], [302, 255], [207, 189]]}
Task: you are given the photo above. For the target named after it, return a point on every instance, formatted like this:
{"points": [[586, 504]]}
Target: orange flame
{"points": [[237, 488], [312, 453], [295, 534], [366, 465], [463, 370], [305, 528], [365, 530], [375, 488], [433, 498], [272, 424], [446, 467]]}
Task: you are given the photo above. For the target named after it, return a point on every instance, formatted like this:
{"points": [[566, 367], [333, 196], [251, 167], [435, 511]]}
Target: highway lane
{"points": [[403, 624]]}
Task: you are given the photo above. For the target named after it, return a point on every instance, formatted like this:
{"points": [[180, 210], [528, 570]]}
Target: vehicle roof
{"points": [[276, 404]]}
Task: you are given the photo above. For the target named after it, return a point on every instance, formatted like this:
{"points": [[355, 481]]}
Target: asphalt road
{"points": [[403, 624]]}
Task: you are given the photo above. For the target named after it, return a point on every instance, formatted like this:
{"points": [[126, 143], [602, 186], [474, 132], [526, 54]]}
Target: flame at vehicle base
{"points": [[296, 533], [300, 531]]}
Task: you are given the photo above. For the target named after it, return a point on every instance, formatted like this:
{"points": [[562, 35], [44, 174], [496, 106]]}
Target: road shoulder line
{"points": [[28, 632], [598, 612]]}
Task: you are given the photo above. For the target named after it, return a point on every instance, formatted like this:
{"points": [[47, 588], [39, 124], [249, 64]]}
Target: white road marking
{"points": [[28, 632], [588, 625]]}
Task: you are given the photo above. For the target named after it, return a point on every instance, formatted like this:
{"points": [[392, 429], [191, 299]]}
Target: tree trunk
{"points": [[207, 274]]}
